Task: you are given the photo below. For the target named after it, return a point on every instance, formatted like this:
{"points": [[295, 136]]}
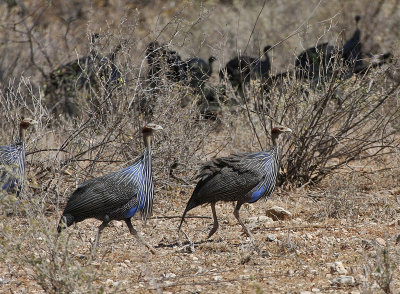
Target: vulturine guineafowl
{"points": [[115, 196], [240, 70], [315, 62], [87, 72], [12, 161], [244, 178], [163, 61], [351, 51], [199, 71]]}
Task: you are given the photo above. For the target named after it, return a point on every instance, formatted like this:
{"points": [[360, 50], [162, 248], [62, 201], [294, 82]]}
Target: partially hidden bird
{"points": [[116, 196], [12, 161], [245, 178]]}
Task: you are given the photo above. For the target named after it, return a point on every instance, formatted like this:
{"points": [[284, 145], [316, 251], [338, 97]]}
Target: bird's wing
{"points": [[238, 162], [233, 176], [9, 154], [102, 194], [9, 166]]}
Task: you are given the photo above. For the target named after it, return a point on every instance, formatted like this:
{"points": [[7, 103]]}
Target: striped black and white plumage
{"points": [[12, 161], [115, 196], [244, 178]]}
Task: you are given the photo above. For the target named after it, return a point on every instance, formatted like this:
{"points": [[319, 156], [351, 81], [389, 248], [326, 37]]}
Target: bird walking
{"points": [[12, 161], [244, 178], [116, 196]]}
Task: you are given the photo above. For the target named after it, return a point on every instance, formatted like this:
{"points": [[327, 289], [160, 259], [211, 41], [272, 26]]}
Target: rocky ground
{"points": [[330, 241]]}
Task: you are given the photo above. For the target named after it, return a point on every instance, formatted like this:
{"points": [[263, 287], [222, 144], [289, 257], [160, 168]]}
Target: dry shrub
{"points": [[334, 122]]}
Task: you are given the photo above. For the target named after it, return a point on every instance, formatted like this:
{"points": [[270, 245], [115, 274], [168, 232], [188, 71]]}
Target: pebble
{"points": [[313, 272], [270, 238], [278, 213], [395, 223], [315, 290], [338, 267], [343, 281], [217, 278], [169, 275], [195, 258], [380, 242], [260, 218], [244, 277], [366, 244]]}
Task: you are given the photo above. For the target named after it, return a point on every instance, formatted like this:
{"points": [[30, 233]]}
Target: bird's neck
{"points": [[210, 64], [147, 140], [22, 132], [275, 139]]}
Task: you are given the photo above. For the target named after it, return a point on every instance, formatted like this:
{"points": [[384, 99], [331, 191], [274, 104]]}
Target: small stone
{"points": [[278, 213], [380, 242], [366, 244], [305, 292], [244, 277], [313, 272], [195, 258], [270, 238], [217, 278], [343, 281], [258, 219], [109, 282], [168, 283], [338, 267], [169, 275], [395, 223], [315, 290]]}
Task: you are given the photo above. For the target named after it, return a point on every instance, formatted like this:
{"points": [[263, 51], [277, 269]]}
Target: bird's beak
{"points": [[288, 130]]}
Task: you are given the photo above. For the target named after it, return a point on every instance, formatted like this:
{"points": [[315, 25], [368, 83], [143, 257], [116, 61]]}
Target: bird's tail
{"points": [[191, 204], [65, 221]]}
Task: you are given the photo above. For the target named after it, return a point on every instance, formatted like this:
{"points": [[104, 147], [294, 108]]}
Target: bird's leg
{"points": [[101, 227], [136, 234], [215, 226], [236, 214]]}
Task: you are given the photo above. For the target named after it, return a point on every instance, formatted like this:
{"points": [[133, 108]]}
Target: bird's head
{"points": [[26, 122], [280, 129], [266, 48], [149, 128]]}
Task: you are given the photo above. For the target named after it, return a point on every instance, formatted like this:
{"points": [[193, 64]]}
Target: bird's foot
{"points": [[213, 230]]}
